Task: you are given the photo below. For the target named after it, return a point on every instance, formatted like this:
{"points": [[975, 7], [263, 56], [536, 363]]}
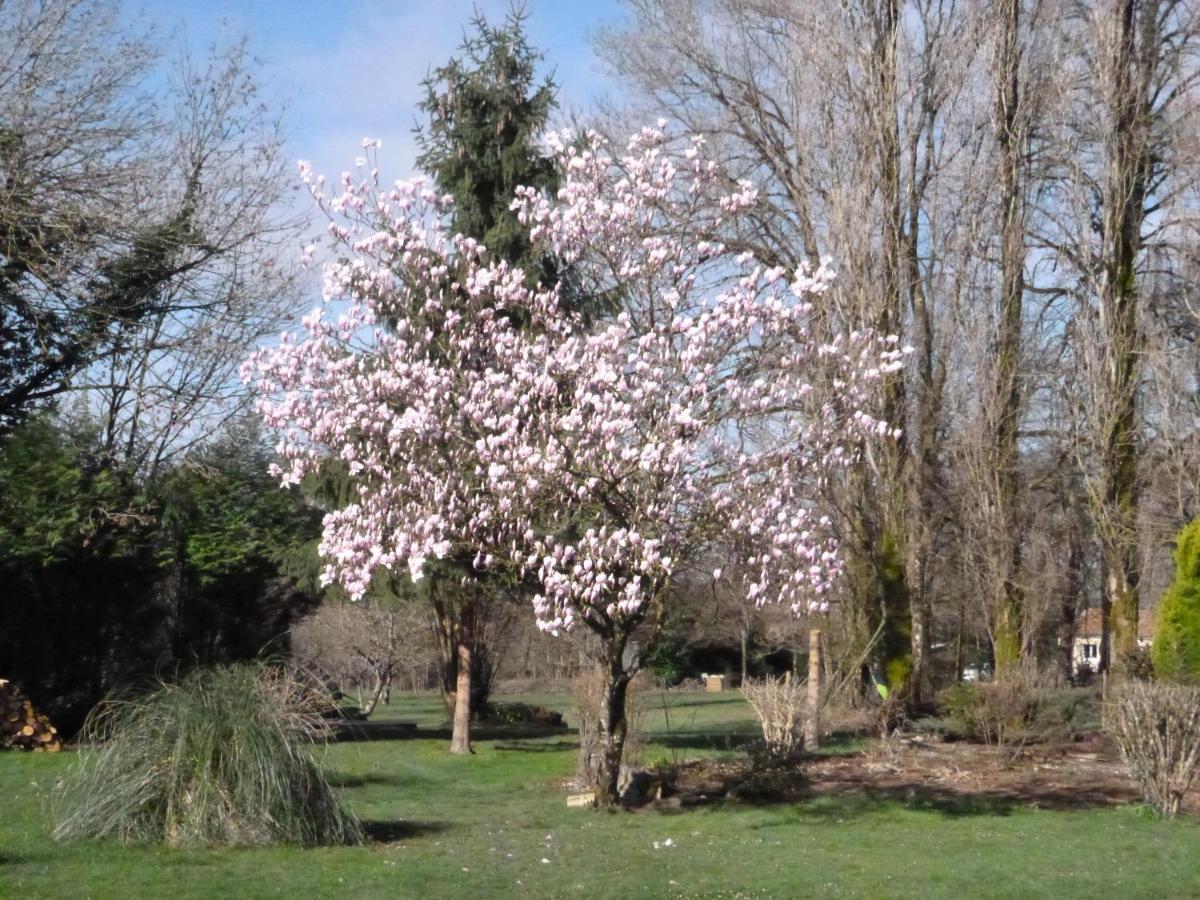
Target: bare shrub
{"points": [[1157, 727], [588, 689], [779, 705], [845, 712], [1000, 713]]}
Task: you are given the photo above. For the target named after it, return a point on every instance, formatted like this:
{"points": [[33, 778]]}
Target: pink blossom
{"points": [[595, 460]]}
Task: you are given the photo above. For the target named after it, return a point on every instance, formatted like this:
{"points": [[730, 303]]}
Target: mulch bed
{"points": [[956, 777]]}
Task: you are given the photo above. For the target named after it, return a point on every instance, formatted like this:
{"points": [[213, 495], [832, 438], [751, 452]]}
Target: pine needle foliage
{"points": [[222, 757], [486, 113]]}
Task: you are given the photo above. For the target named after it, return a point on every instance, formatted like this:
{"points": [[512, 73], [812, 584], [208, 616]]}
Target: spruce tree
{"points": [[486, 111]]}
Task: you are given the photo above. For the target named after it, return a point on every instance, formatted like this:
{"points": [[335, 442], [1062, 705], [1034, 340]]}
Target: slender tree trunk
{"points": [[745, 650], [960, 633], [900, 548], [1069, 608], [1118, 542], [376, 693], [383, 674], [460, 739], [445, 629], [812, 723]]}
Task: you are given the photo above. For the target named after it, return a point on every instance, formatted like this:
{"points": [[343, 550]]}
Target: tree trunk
{"points": [[812, 723], [1004, 531], [959, 650], [445, 630], [613, 729], [376, 693], [921, 613], [745, 650], [907, 474], [1118, 548], [460, 739], [1072, 594], [1129, 161]]}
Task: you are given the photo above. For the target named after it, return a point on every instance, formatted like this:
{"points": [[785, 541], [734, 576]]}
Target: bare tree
{"points": [[140, 227], [364, 645], [1123, 203], [861, 151]]}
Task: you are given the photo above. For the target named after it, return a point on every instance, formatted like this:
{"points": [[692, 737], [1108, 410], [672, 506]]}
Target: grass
{"points": [[482, 826]]}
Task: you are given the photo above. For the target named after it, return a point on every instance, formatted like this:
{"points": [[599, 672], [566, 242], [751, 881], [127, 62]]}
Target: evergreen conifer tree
{"points": [[486, 111], [1176, 650]]}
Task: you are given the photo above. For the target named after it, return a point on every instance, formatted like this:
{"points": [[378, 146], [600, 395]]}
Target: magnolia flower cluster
{"points": [[481, 420]]}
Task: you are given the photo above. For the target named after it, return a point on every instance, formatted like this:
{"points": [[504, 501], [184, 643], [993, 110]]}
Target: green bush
{"points": [[524, 714], [1063, 713], [1017, 710], [220, 758], [668, 661], [1176, 650], [957, 707]]}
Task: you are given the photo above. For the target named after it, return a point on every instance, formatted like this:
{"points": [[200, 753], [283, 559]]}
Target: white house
{"points": [[1086, 647]]}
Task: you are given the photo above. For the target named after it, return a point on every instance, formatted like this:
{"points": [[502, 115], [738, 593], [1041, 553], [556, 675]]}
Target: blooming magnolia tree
{"points": [[482, 422]]}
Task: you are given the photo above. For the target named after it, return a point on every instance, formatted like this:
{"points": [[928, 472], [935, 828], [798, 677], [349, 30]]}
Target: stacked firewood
{"points": [[21, 726]]}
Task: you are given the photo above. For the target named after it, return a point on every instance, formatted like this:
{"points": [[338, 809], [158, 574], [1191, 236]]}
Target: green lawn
{"points": [[496, 825]]}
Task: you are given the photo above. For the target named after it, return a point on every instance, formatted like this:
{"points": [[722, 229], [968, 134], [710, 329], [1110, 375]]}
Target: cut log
{"points": [[22, 726]]}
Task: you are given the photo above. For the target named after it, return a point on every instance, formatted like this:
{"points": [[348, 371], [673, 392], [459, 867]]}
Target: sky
{"points": [[352, 69]]}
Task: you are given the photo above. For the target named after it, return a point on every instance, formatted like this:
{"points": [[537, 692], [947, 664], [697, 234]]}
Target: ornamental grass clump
{"points": [[221, 758]]}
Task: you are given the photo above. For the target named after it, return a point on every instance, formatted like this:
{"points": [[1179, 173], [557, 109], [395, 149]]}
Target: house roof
{"points": [[1089, 624]]}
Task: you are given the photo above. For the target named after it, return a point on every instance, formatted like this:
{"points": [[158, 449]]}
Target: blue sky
{"points": [[352, 69]]}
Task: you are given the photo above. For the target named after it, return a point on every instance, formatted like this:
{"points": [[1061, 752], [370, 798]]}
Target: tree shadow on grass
{"points": [[383, 831], [840, 805], [849, 785], [859, 802], [717, 700], [538, 747], [956, 803], [734, 739], [351, 731], [407, 731], [341, 780]]}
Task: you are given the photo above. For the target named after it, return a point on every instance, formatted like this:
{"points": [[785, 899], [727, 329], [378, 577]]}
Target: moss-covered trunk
{"points": [[1004, 414], [1135, 59]]}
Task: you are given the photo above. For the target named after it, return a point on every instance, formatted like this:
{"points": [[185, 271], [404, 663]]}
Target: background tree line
{"points": [[145, 247], [1012, 187]]}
